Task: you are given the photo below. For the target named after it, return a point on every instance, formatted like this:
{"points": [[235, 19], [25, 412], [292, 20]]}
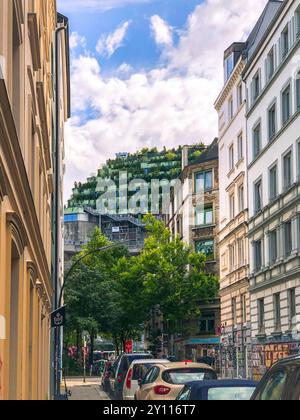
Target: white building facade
{"points": [[233, 225], [272, 78]]}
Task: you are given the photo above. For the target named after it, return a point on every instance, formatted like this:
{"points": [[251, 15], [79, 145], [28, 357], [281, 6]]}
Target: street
{"points": [[89, 391]]}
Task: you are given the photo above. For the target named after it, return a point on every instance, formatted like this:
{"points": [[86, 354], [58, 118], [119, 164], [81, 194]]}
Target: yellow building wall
{"points": [[25, 196]]}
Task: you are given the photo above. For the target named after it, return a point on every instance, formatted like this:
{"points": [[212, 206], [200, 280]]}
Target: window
{"points": [[232, 206], [228, 66], [277, 311], [241, 198], [285, 42], [298, 90], [231, 257], [292, 306], [240, 147], [241, 256], [256, 86], [207, 323], [273, 183], [231, 158], [287, 170], [230, 109], [258, 196], [258, 255], [234, 311], [297, 18], [204, 216], [244, 308], [270, 64], [286, 104], [240, 94], [256, 140], [272, 122], [298, 160], [261, 314], [288, 245], [273, 246], [207, 248], [204, 181], [274, 387]]}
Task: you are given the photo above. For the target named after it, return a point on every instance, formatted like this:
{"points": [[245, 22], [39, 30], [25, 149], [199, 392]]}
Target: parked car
{"points": [[138, 370], [105, 381], [281, 382], [119, 371], [165, 381], [222, 390]]}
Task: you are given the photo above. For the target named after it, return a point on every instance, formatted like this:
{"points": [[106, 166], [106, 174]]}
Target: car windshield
{"points": [[230, 394], [182, 376]]}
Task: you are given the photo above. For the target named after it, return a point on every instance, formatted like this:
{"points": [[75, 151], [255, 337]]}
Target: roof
{"points": [[177, 365], [262, 28], [147, 361], [211, 153], [222, 383]]}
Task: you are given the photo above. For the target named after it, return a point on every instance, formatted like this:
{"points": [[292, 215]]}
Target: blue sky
{"points": [[139, 49], [146, 73]]}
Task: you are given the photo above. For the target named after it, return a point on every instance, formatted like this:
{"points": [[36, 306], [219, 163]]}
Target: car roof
{"points": [[222, 383], [147, 361], [294, 358], [178, 365]]}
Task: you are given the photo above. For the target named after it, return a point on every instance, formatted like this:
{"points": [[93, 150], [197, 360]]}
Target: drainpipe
{"points": [[57, 209]]}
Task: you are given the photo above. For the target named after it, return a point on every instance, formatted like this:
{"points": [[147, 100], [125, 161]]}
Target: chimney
{"points": [[185, 156]]}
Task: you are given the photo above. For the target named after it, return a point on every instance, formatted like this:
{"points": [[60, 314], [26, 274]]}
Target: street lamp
{"points": [[57, 369]]}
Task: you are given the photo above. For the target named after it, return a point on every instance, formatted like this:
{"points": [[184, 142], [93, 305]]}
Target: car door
{"points": [[113, 374], [293, 389], [148, 382]]}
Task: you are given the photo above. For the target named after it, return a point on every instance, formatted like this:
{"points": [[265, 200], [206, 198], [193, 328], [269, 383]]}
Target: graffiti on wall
{"points": [[264, 356]]}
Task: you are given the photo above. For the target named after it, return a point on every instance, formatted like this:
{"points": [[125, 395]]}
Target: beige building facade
{"points": [[27, 110]]}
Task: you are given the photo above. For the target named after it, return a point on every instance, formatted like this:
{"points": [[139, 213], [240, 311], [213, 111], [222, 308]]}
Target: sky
{"points": [[146, 73]]}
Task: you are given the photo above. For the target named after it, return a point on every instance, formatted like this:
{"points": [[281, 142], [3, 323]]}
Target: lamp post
{"points": [[57, 364]]}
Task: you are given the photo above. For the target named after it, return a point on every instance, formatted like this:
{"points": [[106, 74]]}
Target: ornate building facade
{"points": [[28, 143]]}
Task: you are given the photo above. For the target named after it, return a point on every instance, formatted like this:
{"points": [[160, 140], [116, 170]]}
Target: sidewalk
{"points": [[89, 391]]}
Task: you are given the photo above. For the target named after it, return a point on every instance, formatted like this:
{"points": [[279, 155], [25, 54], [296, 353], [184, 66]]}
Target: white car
{"points": [[138, 370]]}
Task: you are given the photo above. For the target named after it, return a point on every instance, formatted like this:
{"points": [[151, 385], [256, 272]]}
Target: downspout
{"points": [[57, 205]]}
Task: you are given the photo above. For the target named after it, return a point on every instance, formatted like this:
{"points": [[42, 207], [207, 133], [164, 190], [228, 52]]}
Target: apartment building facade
{"points": [[194, 216], [233, 218], [272, 77], [27, 188]]}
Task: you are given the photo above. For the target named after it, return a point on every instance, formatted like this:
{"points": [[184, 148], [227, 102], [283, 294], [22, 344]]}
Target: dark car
{"points": [[119, 371], [222, 390], [281, 382], [105, 382]]}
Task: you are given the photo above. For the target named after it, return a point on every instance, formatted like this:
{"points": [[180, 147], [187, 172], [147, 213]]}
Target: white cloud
{"points": [[164, 106], [92, 5], [161, 31], [77, 40], [124, 68], [108, 44]]}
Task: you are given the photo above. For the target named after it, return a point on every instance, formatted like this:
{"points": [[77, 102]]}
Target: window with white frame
{"points": [[288, 237], [231, 257], [292, 306], [272, 122], [240, 94], [273, 246], [256, 86], [256, 140], [298, 161], [297, 22], [244, 308], [241, 252], [258, 196], [240, 147], [261, 314], [230, 108], [273, 182], [287, 171], [232, 206], [257, 255], [298, 91], [231, 157], [241, 196], [204, 215], [270, 64], [286, 104], [228, 66], [285, 42], [277, 311]]}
